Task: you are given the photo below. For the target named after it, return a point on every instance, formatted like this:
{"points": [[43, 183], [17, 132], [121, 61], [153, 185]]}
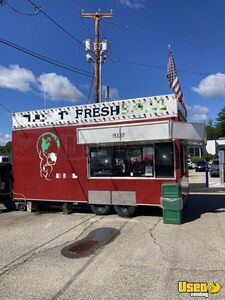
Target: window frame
{"points": [[173, 156], [183, 157], [153, 177]]}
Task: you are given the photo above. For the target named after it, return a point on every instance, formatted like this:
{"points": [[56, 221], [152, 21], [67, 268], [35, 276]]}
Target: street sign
{"points": [[221, 165], [221, 157]]}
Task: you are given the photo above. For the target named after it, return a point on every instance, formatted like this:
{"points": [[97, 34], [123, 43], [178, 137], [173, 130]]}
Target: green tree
{"points": [[7, 149], [220, 123], [211, 130]]}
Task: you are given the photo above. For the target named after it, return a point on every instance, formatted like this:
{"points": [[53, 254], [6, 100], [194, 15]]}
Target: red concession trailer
{"points": [[116, 153]]}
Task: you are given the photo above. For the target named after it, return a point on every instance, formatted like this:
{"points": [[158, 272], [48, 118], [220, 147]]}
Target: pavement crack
{"points": [[25, 257], [79, 235], [81, 270], [152, 235], [20, 263]]}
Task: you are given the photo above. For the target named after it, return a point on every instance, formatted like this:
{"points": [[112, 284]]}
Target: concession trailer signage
{"points": [[140, 108], [113, 153]]}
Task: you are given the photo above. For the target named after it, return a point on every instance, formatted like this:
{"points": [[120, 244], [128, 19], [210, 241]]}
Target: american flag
{"points": [[172, 77]]}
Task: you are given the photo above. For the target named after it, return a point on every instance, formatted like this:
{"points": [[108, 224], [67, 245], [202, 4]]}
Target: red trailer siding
{"points": [[71, 162], [54, 151]]}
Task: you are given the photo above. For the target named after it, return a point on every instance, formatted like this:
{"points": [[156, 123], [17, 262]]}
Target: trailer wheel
{"points": [[125, 211], [22, 207], [100, 209]]}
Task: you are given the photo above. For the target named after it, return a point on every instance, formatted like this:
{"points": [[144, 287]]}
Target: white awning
{"points": [[154, 131], [191, 132]]}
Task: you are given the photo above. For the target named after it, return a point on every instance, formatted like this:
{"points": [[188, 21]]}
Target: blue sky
{"points": [[139, 33]]}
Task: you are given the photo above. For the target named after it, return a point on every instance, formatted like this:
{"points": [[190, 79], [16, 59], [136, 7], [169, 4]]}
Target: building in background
{"points": [[211, 147]]}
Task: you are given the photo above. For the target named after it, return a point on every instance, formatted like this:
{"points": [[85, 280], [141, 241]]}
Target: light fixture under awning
{"points": [[154, 131]]}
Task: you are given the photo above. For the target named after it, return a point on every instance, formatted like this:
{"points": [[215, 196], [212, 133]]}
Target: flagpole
{"points": [[172, 76], [173, 79]]}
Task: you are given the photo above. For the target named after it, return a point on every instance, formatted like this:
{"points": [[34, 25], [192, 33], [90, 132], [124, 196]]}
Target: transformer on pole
{"points": [[99, 49]]}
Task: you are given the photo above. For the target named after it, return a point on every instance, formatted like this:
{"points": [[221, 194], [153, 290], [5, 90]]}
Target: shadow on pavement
{"points": [[49, 207], [198, 204], [153, 211], [46, 207]]}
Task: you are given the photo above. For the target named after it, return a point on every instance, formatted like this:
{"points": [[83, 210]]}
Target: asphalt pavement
{"points": [[198, 185], [144, 261]]}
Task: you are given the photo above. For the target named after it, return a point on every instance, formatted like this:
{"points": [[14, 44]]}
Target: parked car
{"points": [[201, 165], [215, 170], [191, 165]]}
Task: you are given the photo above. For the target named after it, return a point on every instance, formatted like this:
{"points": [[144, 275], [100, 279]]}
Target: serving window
{"points": [[154, 160], [101, 161], [164, 160]]}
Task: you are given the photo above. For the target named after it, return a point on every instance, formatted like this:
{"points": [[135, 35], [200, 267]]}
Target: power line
{"points": [[155, 66], [77, 5], [37, 9], [131, 27], [45, 58], [57, 24], [8, 111], [5, 108]]}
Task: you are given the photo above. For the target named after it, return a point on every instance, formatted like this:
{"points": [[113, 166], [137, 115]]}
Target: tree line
{"points": [[216, 129], [7, 149]]}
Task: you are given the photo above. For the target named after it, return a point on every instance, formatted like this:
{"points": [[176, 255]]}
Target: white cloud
{"points": [[200, 109], [57, 87], [211, 86], [133, 3], [188, 107], [16, 78], [200, 113], [4, 138], [200, 118]]}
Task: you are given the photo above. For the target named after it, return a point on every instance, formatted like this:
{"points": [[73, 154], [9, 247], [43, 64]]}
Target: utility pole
{"points": [[97, 17]]}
